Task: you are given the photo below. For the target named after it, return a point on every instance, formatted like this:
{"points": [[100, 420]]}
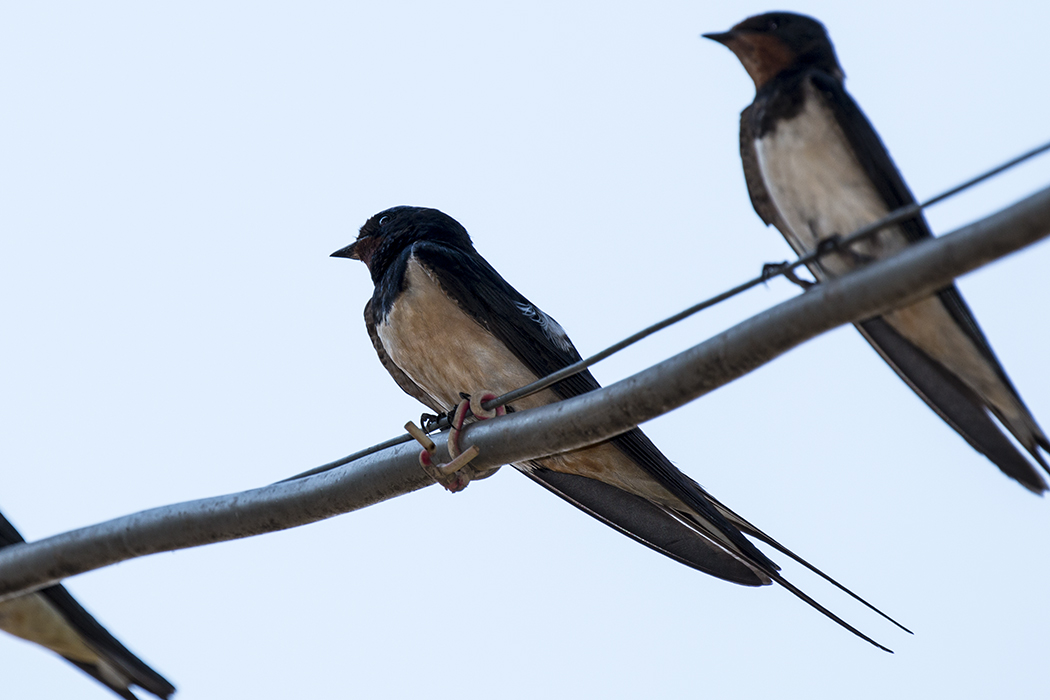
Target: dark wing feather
{"points": [[96, 636], [756, 185], [645, 522], [952, 400], [8, 534]]}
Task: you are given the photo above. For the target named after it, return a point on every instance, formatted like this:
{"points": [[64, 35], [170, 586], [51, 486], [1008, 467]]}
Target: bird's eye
{"points": [[382, 219], [772, 26]]}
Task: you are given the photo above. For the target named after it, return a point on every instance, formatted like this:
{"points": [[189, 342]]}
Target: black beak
{"points": [[347, 252], [720, 37]]}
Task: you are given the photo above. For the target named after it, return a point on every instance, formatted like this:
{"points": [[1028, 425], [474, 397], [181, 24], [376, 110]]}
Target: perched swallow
{"points": [[54, 620], [816, 169], [443, 321]]}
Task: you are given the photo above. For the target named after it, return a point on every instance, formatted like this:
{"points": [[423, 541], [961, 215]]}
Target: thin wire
{"points": [[392, 442], [830, 246]]}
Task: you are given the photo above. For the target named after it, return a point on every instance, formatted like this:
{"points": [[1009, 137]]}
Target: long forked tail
{"points": [[827, 613], [759, 535], [673, 534], [749, 529]]}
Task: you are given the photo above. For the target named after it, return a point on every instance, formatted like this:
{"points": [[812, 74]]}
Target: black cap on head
{"points": [[392, 230], [770, 43]]}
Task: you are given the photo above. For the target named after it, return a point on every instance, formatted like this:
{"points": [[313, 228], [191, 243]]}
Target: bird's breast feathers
{"points": [[443, 349], [817, 183]]}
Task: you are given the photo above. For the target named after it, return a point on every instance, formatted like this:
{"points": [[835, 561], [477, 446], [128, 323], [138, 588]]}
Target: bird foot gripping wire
{"points": [[455, 475], [771, 270]]}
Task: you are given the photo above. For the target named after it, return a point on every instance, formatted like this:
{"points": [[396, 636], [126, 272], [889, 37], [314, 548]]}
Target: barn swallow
{"points": [[51, 618], [816, 169], [443, 321]]}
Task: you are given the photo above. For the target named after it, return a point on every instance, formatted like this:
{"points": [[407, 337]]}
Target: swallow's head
{"points": [[385, 235], [772, 43]]}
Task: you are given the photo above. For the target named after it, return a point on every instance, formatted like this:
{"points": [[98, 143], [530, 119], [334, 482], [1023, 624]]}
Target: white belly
{"points": [[444, 350], [819, 188]]}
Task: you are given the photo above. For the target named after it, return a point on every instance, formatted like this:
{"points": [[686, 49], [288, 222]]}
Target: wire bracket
{"points": [[455, 475]]}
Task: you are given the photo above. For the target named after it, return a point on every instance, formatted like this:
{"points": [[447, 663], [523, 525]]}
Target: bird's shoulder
{"points": [[479, 291]]}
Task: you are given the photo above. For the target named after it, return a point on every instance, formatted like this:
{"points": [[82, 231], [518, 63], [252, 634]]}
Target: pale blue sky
{"points": [[172, 180]]}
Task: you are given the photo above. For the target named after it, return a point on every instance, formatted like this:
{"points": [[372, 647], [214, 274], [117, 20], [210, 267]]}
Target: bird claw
{"points": [[829, 244], [771, 270], [429, 422]]}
